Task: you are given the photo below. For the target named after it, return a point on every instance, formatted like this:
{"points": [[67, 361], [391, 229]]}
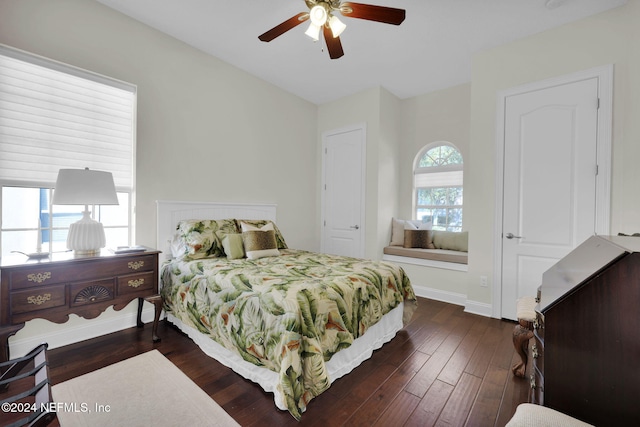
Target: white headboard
{"points": [[170, 212]]}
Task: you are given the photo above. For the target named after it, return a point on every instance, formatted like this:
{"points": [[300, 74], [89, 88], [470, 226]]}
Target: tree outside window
{"points": [[438, 177]]}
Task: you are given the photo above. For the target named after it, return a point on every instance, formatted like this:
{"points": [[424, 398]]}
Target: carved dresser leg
{"points": [[521, 336], [523, 332], [156, 300]]}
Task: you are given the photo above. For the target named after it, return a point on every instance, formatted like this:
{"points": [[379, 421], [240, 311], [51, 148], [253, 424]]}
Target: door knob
{"points": [[512, 236], [357, 227]]}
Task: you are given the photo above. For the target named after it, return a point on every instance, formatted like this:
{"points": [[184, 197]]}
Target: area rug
{"points": [[145, 390]]}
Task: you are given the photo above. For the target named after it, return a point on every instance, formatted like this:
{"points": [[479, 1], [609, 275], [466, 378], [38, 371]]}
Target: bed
{"points": [[289, 320]]}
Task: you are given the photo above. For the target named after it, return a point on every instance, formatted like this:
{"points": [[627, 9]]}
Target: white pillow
{"points": [[178, 248], [417, 225]]}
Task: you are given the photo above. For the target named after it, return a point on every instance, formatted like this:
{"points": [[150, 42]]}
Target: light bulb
{"points": [[318, 15]]}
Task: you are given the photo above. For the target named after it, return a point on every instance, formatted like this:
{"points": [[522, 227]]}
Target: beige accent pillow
{"points": [[233, 246], [452, 240], [259, 242], [397, 232]]}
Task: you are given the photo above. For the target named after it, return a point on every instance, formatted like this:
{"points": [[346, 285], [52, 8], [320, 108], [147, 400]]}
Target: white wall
{"points": [[380, 111], [206, 130], [612, 37], [443, 115]]}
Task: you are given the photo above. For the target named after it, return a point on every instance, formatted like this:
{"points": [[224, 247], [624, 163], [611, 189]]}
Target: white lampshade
{"points": [[313, 31], [337, 26], [85, 187]]}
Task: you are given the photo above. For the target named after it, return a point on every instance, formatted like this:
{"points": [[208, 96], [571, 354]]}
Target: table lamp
{"points": [[85, 187]]}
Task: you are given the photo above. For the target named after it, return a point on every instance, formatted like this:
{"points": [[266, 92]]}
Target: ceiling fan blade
{"points": [[334, 46], [278, 30], [387, 15]]}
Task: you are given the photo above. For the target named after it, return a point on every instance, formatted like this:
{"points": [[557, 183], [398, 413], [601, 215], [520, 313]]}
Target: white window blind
{"points": [[450, 178], [55, 116]]}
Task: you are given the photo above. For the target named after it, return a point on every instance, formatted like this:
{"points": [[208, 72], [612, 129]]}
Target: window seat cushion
{"points": [[444, 255]]}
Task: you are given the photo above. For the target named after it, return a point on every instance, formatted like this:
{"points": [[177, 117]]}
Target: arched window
{"points": [[437, 183]]}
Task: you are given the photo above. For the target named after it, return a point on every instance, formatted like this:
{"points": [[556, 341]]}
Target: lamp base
{"points": [[86, 236]]}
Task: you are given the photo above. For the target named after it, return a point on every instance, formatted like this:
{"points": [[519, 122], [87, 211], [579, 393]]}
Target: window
{"points": [[55, 116], [437, 184]]}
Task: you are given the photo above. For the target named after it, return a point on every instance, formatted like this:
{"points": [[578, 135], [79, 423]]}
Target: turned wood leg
{"points": [[139, 318], [521, 336], [156, 300]]}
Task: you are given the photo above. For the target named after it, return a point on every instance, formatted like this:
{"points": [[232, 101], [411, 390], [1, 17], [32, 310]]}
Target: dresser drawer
{"points": [[38, 298], [136, 282], [118, 266], [35, 276], [92, 292]]}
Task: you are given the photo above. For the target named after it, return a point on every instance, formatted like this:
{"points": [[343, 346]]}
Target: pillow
{"points": [[454, 241], [178, 248], [200, 239], [417, 225], [233, 245], [259, 242], [258, 223], [399, 225], [418, 239], [397, 232]]}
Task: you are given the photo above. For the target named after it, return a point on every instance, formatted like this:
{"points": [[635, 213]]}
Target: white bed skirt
{"points": [[340, 364]]}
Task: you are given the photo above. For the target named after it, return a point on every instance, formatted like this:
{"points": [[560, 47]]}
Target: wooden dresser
{"points": [[55, 287], [586, 345]]}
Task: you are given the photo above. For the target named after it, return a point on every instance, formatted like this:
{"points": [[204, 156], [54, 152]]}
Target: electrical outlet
{"points": [[483, 281]]}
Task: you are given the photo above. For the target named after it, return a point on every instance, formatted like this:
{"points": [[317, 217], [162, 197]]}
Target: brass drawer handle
{"points": [[39, 277], [39, 299], [136, 283], [136, 265], [532, 379]]}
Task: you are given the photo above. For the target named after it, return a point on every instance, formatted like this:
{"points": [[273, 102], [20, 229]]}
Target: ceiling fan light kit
{"points": [[321, 16]]}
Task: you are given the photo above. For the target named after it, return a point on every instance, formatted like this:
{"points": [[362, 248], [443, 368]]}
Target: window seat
{"points": [[442, 255]]}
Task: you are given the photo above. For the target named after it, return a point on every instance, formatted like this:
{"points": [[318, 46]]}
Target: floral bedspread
{"points": [[288, 313]]}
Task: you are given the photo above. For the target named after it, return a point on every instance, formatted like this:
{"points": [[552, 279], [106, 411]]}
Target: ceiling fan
{"points": [[321, 15]]}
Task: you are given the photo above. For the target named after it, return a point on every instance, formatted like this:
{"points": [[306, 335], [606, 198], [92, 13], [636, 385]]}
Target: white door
{"points": [[343, 192], [550, 168]]}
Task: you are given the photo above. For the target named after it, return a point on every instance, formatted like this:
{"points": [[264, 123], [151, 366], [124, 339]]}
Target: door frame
{"points": [[363, 159], [604, 75]]}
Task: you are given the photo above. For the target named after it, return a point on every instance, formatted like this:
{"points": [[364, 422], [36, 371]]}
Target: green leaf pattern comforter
{"points": [[288, 313]]}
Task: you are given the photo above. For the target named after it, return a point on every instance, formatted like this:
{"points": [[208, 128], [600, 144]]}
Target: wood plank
{"points": [[428, 411], [375, 405], [487, 404], [398, 410], [456, 411]]}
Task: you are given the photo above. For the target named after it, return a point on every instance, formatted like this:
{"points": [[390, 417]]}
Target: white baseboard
{"points": [[79, 332], [480, 308], [474, 307], [440, 295]]}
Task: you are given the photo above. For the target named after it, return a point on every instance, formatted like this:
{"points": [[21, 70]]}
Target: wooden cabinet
{"points": [[53, 288], [586, 336]]}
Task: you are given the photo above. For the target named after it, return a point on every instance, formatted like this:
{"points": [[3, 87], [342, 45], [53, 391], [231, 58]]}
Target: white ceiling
{"points": [[430, 50]]}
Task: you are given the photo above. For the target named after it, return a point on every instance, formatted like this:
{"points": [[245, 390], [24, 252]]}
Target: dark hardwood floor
{"points": [[446, 368]]}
